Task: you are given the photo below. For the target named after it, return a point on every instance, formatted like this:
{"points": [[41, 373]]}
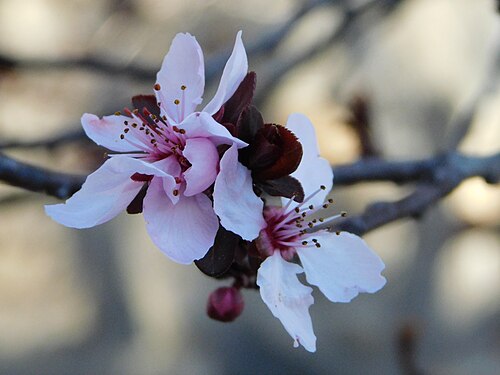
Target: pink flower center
{"points": [[287, 229]]}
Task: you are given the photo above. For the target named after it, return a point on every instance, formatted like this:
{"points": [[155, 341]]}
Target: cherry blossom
{"points": [[340, 265], [170, 149]]}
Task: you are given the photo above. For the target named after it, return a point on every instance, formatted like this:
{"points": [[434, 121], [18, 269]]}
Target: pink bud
{"points": [[225, 304]]}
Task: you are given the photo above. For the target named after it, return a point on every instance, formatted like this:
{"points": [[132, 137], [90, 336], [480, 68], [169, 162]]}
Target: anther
{"points": [[311, 207], [122, 136], [322, 187], [175, 192], [178, 180], [125, 122], [321, 219], [183, 87], [118, 113], [177, 101], [297, 210], [304, 243], [337, 233], [134, 125], [318, 245], [310, 225], [182, 131], [330, 200], [314, 240], [325, 205], [157, 87], [135, 111], [343, 214], [126, 130]]}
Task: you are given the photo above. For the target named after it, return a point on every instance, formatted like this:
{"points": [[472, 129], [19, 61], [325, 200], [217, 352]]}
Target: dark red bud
{"points": [[225, 304]]}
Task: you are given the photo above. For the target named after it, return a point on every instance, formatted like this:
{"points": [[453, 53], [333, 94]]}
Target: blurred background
{"points": [[106, 301]]}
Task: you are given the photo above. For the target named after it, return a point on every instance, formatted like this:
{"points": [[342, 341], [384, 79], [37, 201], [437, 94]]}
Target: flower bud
{"points": [[225, 304]]}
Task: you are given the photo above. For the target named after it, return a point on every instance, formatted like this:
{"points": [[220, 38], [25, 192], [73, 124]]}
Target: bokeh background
{"points": [[106, 301]]}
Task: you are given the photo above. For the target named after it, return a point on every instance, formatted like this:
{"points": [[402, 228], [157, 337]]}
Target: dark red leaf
{"points": [[135, 207], [240, 99], [290, 153], [221, 255], [286, 186], [146, 101], [249, 123]]}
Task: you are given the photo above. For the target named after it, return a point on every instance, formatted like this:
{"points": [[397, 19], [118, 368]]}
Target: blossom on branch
{"points": [[340, 265], [168, 158]]}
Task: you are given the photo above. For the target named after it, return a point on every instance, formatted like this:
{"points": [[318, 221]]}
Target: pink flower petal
{"points": [[235, 70], [313, 171], [185, 231], [204, 159], [106, 132], [343, 267], [105, 193], [202, 125], [235, 202], [171, 166], [287, 298], [182, 78]]}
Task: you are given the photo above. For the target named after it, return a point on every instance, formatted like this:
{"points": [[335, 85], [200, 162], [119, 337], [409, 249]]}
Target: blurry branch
{"points": [[407, 340], [360, 121], [213, 66], [436, 177], [59, 185], [278, 69], [462, 121], [61, 139], [440, 176]]}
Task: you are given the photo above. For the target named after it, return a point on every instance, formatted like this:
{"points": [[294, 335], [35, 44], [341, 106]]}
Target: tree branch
{"points": [[436, 178], [444, 177], [26, 176]]}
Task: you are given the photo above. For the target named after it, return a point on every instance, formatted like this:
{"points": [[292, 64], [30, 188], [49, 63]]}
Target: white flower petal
{"points": [[202, 125], [342, 267], [313, 171], [235, 70], [235, 202], [287, 298], [204, 159], [106, 131], [105, 193], [184, 231], [182, 66]]}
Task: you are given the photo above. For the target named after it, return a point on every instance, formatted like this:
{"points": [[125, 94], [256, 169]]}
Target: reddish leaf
{"points": [[290, 153], [146, 101], [241, 99], [249, 123], [135, 207], [221, 255], [286, 186]]}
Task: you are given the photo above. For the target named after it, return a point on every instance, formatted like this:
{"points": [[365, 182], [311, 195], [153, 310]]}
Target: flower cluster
{"points": [[201, 178]]}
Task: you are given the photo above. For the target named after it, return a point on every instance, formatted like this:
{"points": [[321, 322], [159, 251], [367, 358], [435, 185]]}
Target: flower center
{"points": [[288, 228]]}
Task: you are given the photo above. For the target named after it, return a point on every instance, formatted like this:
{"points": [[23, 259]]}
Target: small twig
{"points": [[407, 342], [446, 176], [60, 185], [49, 143], [278, 69]]}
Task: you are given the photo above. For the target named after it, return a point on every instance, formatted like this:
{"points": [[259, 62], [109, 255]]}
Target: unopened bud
{"points": [[225, 304]]}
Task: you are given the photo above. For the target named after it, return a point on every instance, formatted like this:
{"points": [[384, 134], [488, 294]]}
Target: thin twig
{"points": [[442, 175], [26, 176], [446, 176], [278, 69]]}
